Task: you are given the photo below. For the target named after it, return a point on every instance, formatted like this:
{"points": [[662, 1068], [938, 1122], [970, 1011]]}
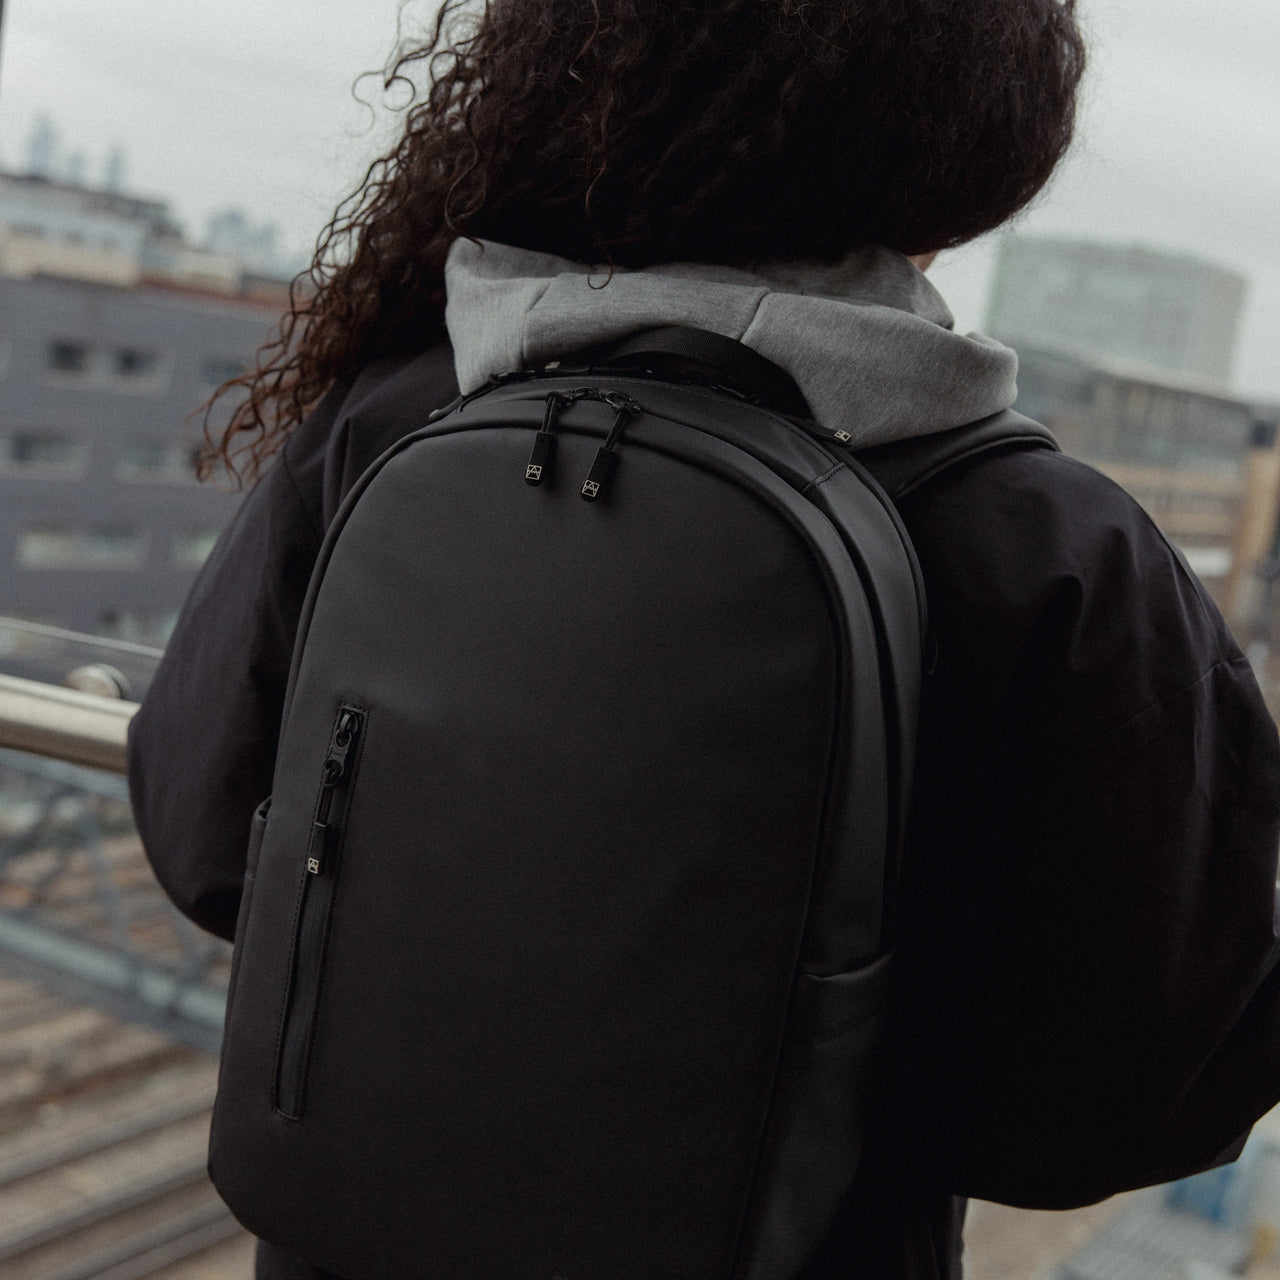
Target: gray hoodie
{"points": [[867, 339]]}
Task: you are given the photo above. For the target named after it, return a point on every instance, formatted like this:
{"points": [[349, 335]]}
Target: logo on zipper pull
{"points": [[624, 409], [544, 443]]}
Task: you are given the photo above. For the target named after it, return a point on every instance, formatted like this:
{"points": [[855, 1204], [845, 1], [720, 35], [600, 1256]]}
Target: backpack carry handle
{"points": [[682, 351]]}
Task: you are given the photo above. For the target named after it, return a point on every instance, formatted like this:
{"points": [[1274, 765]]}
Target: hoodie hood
{"points": [[868, 340]]}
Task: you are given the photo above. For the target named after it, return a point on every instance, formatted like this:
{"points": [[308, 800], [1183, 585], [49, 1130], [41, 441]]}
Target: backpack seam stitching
{"points": [[833, 470]]}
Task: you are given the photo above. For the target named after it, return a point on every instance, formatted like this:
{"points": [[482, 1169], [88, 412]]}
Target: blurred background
{"points": [[164, 172]]}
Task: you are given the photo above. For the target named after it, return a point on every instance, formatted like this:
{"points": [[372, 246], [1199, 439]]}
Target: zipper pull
{"points": [[625, 408], [544, 443], [346, 730], [316, 847], [829, 434]]}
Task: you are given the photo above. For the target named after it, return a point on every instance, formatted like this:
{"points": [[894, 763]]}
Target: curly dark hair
{"points": [[633, 132]]}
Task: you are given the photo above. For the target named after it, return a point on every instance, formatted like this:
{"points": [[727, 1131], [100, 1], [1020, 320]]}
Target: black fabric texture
{"points": [[271, 1263], [1086, 997]]}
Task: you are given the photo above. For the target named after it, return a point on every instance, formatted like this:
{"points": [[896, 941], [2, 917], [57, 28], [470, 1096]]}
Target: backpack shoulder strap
{"points": [[905, 465]]}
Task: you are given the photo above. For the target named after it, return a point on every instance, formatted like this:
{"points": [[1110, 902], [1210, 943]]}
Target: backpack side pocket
{"points": [[816, 1125], [257, 833]]}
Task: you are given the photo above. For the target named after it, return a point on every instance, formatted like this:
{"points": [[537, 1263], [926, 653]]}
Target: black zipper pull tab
{"points": [[601, 469], [544, 443], [625, 408], [830, 434], [316, 847], [346, 730]]}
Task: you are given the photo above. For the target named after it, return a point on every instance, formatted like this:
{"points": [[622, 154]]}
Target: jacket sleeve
{"points": [[202, 746], [1089, 998]]}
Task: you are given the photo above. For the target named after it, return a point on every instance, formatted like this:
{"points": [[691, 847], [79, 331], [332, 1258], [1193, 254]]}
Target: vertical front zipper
{"points": [[318, 869]]}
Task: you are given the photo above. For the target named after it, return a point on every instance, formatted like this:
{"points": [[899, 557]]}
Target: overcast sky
{"points": [[249, 103]]}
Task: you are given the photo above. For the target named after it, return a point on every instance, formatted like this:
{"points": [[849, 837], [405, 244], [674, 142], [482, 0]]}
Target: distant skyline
{"points": [[226, 230], [49, 154], [250, 105]]}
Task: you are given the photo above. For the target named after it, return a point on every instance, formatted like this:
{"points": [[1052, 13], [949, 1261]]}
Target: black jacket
{"points": [[1087, 994]]}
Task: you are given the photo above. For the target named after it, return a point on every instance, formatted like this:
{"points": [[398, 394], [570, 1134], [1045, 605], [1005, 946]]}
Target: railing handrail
{"points": [[108, 643], [64, 724]]}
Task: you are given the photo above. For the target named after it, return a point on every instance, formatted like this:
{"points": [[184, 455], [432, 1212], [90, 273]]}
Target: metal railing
{"points": [[95, 664], [64, 724], [79, 908], [66, 696]]}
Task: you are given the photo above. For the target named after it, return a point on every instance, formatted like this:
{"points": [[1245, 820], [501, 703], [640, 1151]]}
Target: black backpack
{"points": [[565, 943]]}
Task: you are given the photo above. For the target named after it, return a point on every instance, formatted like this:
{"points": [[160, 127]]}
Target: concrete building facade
{"points": [[102, 524], [1168, 312], [1114, 411], [114, 329]]}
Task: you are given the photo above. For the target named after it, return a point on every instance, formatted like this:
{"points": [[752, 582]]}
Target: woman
{"points": [[1085, 995]]}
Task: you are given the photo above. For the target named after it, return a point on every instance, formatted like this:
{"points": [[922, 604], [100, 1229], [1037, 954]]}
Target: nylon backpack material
{"points": [[565, 946]]}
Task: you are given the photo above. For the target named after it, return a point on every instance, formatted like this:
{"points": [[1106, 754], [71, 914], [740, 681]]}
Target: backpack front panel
{"points": [[547, 981]]}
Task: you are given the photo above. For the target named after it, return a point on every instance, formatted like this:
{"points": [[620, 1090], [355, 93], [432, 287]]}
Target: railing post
{"points": [[1259, 506]]}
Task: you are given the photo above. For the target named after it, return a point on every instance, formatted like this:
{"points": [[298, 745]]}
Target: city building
{"points": [[1177, 444], [1126, 352], [102, 524], [51, 228], [1112, 410], [232, 233], [113, 331], [1169, 312]]}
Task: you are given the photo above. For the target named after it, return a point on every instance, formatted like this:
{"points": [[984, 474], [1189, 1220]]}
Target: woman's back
{"points": [[1082, 986]]}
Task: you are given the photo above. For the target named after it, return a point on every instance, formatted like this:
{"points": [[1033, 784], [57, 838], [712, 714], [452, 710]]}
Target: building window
{"points": [[135, 362], [65, 356], [121, 624], [40, 452], [48, 546], [135, 369], [112, 545], [59, 546], [144, 456], [215, 370], [156, 462], [191, 547], [138, 369]]}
